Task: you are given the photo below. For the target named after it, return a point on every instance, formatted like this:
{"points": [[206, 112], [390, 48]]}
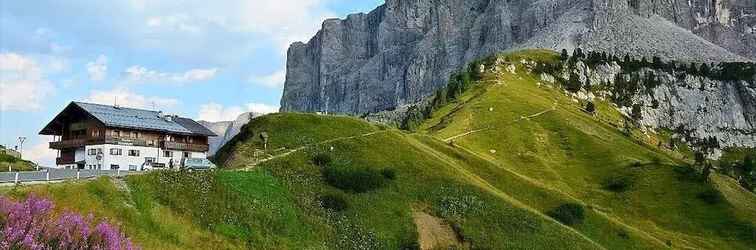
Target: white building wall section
{"points": [[125, 161], [80, 154]]}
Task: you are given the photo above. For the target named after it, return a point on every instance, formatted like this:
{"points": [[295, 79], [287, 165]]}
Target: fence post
{"points": [[78, 175], [47, 176], [118, 173], [16, 181]]}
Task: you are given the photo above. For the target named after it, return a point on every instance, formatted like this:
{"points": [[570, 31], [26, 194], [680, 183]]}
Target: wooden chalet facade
{"points": [[94, 136]]}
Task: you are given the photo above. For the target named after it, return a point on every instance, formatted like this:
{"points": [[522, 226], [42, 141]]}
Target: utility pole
{"points": [[21, 141]]}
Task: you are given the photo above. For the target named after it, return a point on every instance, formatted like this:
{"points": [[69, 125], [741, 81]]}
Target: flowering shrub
{"points": [[31, 225]]}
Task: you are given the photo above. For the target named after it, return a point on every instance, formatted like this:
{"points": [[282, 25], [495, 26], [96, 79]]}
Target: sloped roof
{"points": [[194, 126], [121, 117]]}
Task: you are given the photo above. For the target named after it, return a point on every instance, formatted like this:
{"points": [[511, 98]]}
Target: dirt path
{"points": [[522, 118], [434, 233], [287, 153], [485, 185]]}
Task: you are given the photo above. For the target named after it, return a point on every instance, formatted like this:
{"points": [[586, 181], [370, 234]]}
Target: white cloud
{"points": [[214, 112], [279, 21], [23, 85], [142, 74], [261, 108], [177, 22], [41, 153], [274, 80], [98, 69], [126, 98]]}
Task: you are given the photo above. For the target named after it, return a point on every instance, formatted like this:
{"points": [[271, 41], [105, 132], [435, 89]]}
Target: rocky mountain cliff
{"points": [[405, 49], [693, 106], [226, 130]]}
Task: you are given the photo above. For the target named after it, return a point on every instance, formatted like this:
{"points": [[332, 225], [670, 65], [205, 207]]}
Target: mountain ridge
{"points": [[402, 51]]}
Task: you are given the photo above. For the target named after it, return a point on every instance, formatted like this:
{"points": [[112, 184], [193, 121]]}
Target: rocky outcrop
{"points": [[406, 49], [226, 130], [702, 107]]}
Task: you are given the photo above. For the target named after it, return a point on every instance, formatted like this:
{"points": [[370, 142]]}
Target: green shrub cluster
{"points": [[388, 173], [619, 183], [335, 202], [568, 214], [321, 159], [354, 180], [710, 196]]}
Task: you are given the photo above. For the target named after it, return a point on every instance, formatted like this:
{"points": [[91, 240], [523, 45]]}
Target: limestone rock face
{"points": [[725, 110], [226, 130], [406, 49]]}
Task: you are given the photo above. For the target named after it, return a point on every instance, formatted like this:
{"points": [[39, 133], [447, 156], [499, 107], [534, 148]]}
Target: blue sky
{"points": [[196, 58]]}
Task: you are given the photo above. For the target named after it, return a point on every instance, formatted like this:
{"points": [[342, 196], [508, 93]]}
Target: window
{"points": [[186, 154], [168, 138], [167, 153], [95, 133], [135, 135], [149, 159], [92, 151], [114, 167], [133, 167], [116, 133], [134, 153], [116, 151]]}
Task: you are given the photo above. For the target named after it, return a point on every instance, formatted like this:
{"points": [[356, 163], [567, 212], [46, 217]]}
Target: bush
{"points": [[354, 180], [619, 183], [335, 202], [32, 224], [710, 196], [321, 160], [687, 173], [568, 214], [590, 107], [388, 173]]}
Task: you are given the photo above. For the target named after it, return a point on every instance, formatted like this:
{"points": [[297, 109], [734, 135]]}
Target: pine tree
{"points": [[636, 112], [705, 70], [565, 56], [748, 164], [692, 69], [590, 107]]}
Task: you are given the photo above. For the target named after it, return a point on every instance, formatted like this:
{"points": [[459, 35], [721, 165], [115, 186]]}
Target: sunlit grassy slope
{"points": [[494, 187], [15, 164]]}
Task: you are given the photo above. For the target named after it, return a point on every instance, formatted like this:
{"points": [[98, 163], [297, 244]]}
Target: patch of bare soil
{"points": [[434, 233]]}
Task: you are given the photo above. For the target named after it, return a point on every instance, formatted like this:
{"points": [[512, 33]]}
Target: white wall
{"points": [[126, 162]]}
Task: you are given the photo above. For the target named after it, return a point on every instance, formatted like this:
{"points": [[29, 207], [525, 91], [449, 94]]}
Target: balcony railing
{"points": [[76, 143], [184, 146], [169, 145]]}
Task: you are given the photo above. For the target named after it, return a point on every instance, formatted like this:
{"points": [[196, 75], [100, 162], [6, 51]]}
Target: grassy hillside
{"points": [[15, 163], [510, 164]]}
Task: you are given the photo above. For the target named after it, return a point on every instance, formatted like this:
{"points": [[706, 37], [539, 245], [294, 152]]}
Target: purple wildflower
{"points": [[31, 225]]}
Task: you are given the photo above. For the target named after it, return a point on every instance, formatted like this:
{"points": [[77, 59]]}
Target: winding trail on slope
{"points": [[553, 108], [482, 183], [287, 153]]}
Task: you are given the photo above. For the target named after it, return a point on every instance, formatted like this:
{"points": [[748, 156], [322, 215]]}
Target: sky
{"points": [[195, 58]]}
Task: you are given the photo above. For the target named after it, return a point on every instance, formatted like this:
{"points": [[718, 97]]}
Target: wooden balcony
{"points": [[169, 145], [65, 160], [81, 142], [74, 143]]}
